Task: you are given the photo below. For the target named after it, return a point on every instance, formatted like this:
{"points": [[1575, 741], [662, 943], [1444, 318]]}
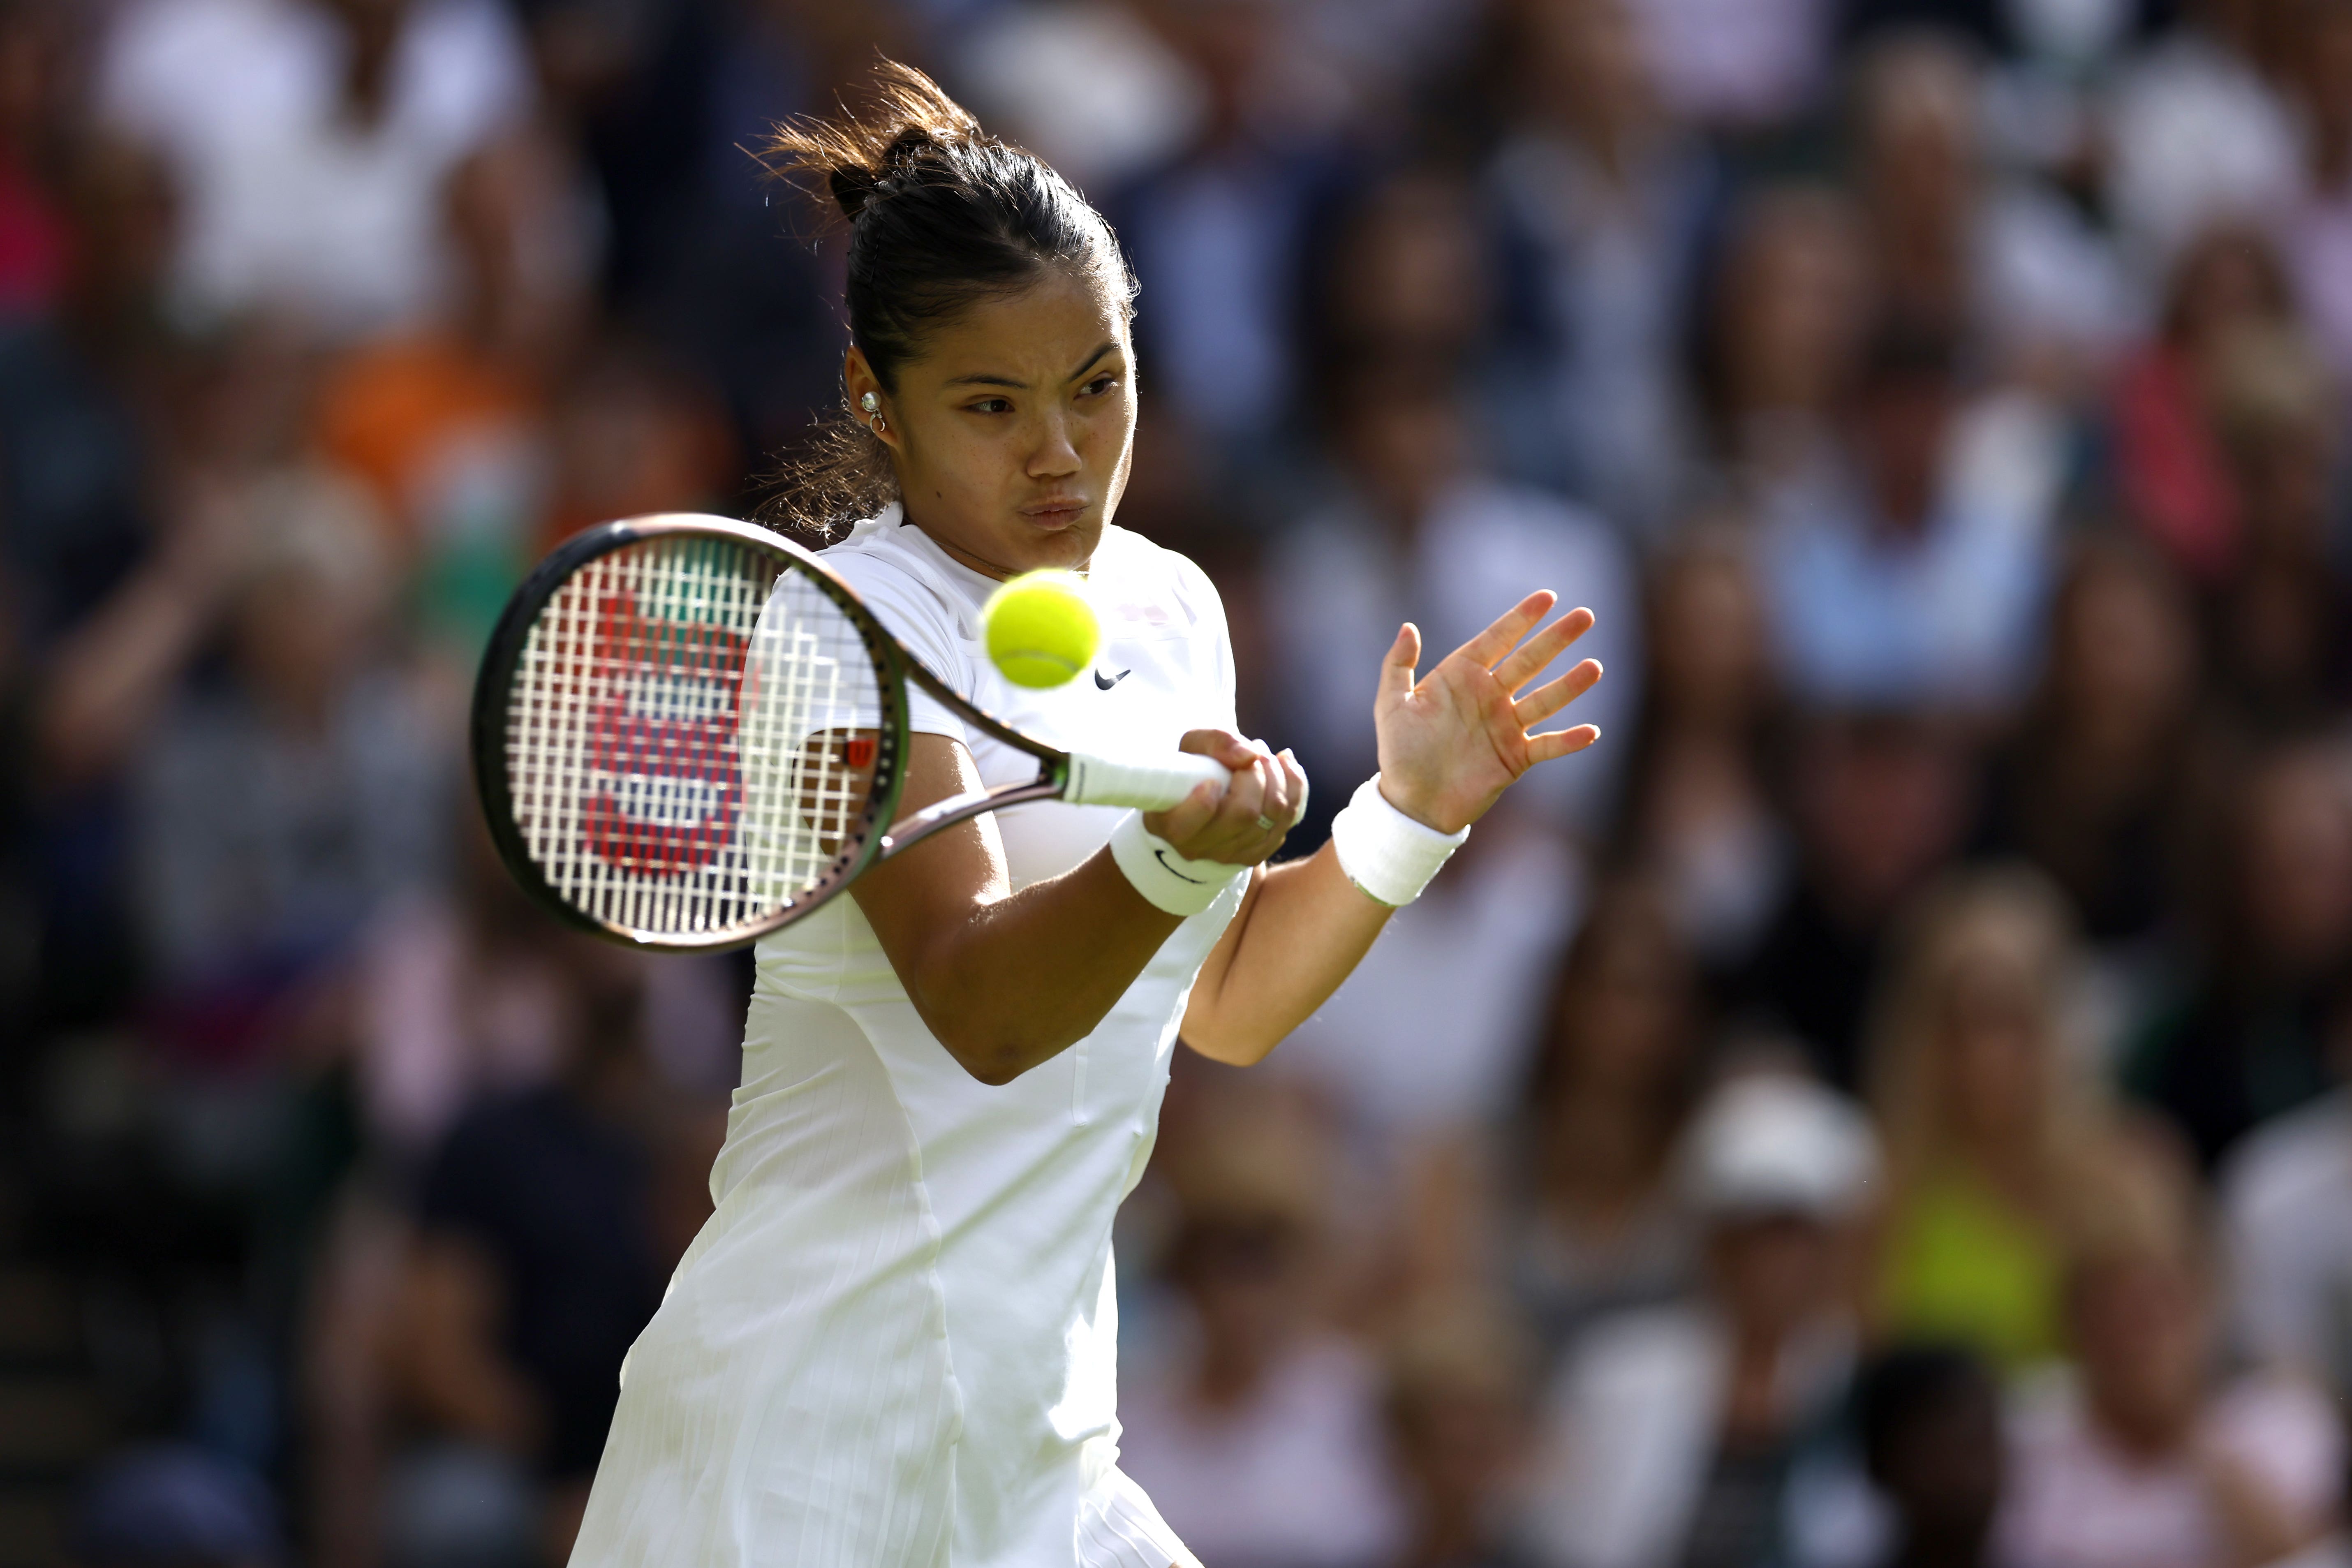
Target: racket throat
{"points": [[911, 830]]}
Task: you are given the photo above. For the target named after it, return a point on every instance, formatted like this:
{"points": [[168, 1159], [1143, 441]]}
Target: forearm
{"points": [[1301, 932], [1025, 976]]}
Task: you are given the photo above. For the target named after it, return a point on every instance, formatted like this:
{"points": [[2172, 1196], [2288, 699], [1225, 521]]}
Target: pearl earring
{"points": [[872, 407], [869, 403]]}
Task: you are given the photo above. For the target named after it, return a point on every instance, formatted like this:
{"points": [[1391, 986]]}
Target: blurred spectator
{"points": [[1600, 1224], [2320, 236], [2003, 265], [1786, 319], [545, 1229], [1930, 1428], [2197, 133], [2172, 473], [172, 1506], [1404, 274], [1414, 1120], [1880, 803], [1218, 232], [2286, 614], [460, 998], [2245, 1043], [1412, 528], [2289, 1232], [1741, 67], [2099, 785], [1260, 1438], [633, 436], [280, 807], [1457, 1394], [2155, 1460], [1087, 86], [727, 274], [1996, 1135], [310, 140], [1609, 197], [1698, 808], [1892, 578], [36, 108], [1671, 1433], [444, 422]]}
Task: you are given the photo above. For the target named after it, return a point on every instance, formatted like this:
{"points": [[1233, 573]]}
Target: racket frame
{"points": [[879, 834]]}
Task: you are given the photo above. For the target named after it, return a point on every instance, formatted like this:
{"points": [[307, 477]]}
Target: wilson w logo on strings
{"points": [[662, 749]]}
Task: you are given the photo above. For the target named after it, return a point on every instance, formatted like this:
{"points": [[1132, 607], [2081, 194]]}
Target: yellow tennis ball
{"points": [[1041, 629]]}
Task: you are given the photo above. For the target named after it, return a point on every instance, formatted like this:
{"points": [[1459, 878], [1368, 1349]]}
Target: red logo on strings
{"points": [[667, 719]]}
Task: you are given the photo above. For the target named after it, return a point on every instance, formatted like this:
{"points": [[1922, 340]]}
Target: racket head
{"points": [[687, 734]]}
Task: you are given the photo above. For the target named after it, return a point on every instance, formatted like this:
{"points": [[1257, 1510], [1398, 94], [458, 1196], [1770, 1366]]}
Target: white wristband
{"points": [[1386, 853], [1168, 880]]}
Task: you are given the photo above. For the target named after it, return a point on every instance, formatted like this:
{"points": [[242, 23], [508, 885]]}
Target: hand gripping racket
{"points": [[689, 733]]}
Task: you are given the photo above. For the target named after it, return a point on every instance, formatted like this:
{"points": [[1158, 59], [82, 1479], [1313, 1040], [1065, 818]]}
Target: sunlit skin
{"points": [[1011, 431]]}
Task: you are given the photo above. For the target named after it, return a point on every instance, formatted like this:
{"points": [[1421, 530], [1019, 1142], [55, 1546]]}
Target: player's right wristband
{"points": [[1166, 880], [1386, 853]]}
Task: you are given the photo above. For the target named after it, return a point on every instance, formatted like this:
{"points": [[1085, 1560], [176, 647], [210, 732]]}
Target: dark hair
{"points": [[941, 216], [1895, 1391]]}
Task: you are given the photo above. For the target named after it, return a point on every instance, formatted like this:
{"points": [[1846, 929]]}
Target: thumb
{"points": [[1396, 668]]}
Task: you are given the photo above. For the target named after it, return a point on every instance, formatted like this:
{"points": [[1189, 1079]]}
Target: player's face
{"points": [[1013, 429]]}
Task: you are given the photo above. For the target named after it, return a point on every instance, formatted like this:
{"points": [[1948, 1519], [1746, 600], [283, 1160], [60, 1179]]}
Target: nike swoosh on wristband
{"points": [[1161, 855], [1114, 680]]}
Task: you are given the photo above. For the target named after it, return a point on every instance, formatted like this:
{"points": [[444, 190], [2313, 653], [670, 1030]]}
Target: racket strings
{"points": [[685, 735]]}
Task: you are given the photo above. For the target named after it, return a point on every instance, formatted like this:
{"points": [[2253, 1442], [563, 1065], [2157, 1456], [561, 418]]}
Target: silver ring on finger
{"points": [[1265, 823]]}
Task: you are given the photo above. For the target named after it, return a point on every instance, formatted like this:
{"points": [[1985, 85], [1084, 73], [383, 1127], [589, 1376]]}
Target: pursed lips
{"points": [[1059, 512]]}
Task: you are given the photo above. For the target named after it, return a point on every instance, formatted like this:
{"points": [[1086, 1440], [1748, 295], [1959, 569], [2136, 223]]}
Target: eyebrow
{"points": [[1109, 346]]}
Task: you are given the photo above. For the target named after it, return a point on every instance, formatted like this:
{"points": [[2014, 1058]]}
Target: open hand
{"points": [[1452, 740]]}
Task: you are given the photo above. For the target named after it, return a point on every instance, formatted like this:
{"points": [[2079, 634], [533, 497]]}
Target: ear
{"points": [[857, 379]]}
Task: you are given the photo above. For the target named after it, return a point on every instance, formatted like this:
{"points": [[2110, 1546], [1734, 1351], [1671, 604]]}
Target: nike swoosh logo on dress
{"points": [[1114, 680]]}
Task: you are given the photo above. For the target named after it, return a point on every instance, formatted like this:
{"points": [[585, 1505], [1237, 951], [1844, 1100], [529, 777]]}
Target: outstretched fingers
{"points": [[1397, 668], [1560, 743], [1488, 646], [1533, 657], [1554, 695]]}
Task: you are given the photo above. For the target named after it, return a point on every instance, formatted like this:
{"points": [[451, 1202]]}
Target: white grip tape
{"points": [[1145, 786], [1166, 880], [1386, 853]]}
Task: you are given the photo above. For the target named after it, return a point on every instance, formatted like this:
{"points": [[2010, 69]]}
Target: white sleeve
{"points": [[923, 618]]}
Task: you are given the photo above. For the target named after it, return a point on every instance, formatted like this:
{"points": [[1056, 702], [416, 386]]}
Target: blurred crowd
{"points": [[1884, 1107]]}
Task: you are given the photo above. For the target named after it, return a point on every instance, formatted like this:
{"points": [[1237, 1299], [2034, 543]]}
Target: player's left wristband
{"points": [[1386, 853], [1166, 880]]}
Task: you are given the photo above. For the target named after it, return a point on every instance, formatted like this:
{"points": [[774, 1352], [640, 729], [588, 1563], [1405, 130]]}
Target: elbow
{"points": [[995, 1068], [1233, 1047], [997, 1058]]}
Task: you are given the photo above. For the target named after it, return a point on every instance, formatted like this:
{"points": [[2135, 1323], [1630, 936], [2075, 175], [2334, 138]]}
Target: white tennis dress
{"points": [[895, 1342]]}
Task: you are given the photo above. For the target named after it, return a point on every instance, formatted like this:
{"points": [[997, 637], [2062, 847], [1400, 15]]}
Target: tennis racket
{"points": [[689, 733]]}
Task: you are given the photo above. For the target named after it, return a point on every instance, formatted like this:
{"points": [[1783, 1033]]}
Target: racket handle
{"points": [[1145, 786]]}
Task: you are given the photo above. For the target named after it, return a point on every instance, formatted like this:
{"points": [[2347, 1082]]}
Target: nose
{"points": [[1055, 455]]}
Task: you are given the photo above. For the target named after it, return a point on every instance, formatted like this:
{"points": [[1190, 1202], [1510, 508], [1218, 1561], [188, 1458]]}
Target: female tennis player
{"points": [[894, 1343]]}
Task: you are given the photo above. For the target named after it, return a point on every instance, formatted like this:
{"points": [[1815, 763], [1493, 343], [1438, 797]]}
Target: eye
{"points": [[991, 406], [1098, 385]]}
